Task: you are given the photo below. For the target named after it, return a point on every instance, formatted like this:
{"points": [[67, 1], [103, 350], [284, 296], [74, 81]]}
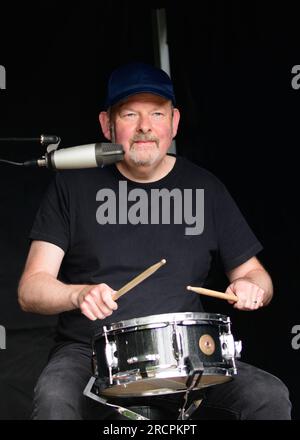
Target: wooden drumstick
{"points": [[137, 280], [213, 293]]}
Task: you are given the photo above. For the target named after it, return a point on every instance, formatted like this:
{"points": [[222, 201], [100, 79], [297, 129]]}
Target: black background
{"points": [[231, 65]]}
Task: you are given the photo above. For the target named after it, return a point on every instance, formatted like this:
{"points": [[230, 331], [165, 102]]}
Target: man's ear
{"points": [[105, 125], [175, 121]]}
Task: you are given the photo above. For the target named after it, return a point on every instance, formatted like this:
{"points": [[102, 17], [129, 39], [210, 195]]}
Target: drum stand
{"points": [[91, 391], [195, 370]]}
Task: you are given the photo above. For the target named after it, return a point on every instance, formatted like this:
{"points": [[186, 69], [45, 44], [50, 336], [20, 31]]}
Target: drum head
{"points": [[167, 385], [156, 386]]}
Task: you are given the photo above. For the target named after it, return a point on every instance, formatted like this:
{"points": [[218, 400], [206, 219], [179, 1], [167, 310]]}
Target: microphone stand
{"points": [[52, 143], [44, 139]]}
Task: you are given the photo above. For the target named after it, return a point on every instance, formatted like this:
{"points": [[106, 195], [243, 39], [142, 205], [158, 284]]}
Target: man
{"points": [[89, 239]]}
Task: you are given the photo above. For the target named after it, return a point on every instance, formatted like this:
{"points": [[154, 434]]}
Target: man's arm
{"points": [[41, 292], [252, 284]]}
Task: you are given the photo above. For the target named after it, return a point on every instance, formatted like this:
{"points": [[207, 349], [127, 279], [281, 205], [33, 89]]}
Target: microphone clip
{"points": [[52, 145]]}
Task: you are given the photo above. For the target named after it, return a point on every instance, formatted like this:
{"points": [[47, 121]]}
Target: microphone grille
{"points": [[108, 147]]}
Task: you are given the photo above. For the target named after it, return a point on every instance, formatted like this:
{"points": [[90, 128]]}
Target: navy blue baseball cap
{"points": [[134, 78]]}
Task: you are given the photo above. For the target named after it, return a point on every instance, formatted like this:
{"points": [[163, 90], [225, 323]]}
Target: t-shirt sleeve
{"points": [[236, 241], [52, 222]]}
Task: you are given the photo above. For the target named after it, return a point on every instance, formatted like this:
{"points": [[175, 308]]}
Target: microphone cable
{"points": [[12, 163]]}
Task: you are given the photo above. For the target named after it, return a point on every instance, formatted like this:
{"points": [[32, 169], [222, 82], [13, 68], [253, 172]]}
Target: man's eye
{"points": [[158, 114], [129, 115]]}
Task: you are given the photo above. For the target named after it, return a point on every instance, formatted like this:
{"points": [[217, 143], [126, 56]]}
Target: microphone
{"points": [[83, 156]]}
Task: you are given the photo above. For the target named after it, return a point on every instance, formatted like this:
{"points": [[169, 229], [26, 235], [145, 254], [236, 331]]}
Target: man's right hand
{"points": [[96, 301]]}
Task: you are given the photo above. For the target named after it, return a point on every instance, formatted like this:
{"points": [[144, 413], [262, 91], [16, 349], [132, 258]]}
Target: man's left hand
{"points": [[250, 296]]}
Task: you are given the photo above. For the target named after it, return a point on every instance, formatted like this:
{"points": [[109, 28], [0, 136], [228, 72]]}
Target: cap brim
{"points": [[134, 91]]}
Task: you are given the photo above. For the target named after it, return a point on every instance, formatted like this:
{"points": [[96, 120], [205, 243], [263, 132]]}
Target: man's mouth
{"points": [[143, 144]]}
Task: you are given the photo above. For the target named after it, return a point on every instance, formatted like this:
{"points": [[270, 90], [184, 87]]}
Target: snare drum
{"points": [[147, 356]]}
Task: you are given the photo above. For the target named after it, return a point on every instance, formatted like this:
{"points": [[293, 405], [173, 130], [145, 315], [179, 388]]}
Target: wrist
{"points": [[77, 294]]}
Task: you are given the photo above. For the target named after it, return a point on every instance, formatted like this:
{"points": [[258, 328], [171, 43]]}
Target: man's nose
{"points": [[144, 124]]}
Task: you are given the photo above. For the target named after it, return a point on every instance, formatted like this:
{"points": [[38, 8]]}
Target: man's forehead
{"points": [[147, 98]]}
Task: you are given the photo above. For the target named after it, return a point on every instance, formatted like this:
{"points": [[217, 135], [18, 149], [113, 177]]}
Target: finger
{"points": [[245, 297], [85, 310], [258, 303], [240, 305], [260, 298], [230, 290], [91, 305], [248, 305], [251, 303], [105, 296], [244, 302], [99, 303], [108, 300], [254, 300]]}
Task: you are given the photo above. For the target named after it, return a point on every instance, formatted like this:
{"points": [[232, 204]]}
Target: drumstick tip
{"points": [[188, 287], [163, 261]]}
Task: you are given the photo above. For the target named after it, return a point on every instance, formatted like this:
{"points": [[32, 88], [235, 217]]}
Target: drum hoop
{"points": [[128, 377], [167, 318]]}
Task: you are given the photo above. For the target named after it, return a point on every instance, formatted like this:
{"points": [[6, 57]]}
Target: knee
{"points": [[268, 395], [270, 387], [52, 401]]}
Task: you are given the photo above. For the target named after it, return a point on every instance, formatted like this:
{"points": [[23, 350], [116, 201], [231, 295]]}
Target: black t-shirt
{"points": [[112, 229]]}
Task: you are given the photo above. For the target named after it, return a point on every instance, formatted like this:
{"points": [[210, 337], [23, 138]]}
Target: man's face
{"points": [[145, 125]]}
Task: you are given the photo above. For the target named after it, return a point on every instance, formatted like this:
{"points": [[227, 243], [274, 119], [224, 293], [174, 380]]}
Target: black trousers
{"points": [[252, 395]]}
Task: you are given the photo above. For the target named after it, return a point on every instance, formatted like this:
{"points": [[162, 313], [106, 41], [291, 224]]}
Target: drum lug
{"points": [[230, 349], [111, 359], [238, 348], [177, 345]]}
